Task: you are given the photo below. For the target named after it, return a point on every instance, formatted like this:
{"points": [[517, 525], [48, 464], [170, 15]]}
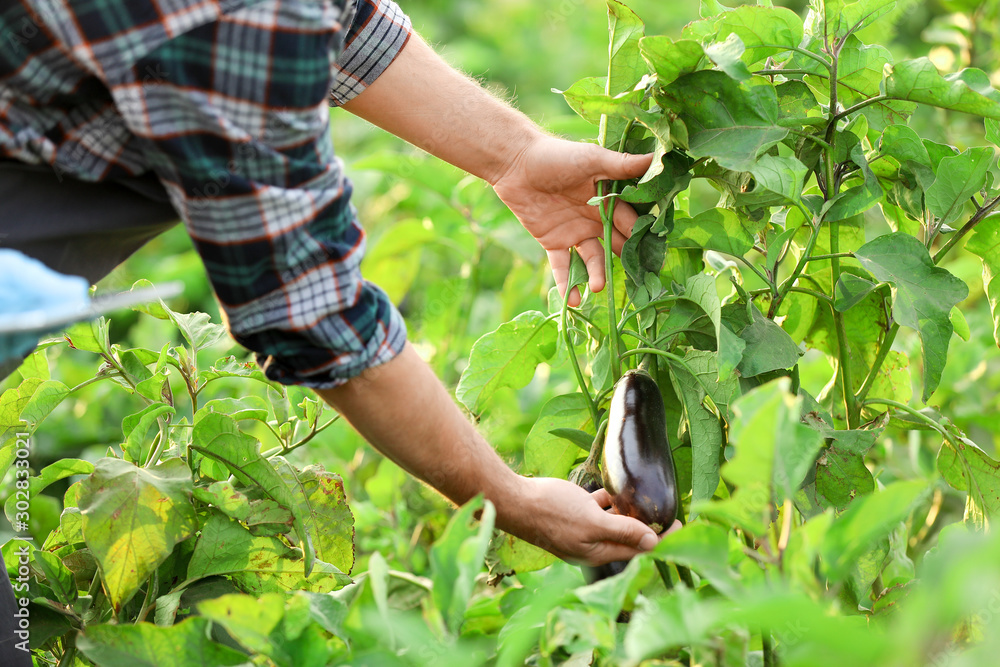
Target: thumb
{"points": [[614, 166], [630, 532]]}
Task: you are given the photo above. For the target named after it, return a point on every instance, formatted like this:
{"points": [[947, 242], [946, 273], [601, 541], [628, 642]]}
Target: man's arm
{"points": [[544, 180], [405, 412], [401, 408]]}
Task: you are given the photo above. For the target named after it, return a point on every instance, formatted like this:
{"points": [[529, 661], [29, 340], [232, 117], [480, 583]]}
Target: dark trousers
{"points": [[78, 228]]}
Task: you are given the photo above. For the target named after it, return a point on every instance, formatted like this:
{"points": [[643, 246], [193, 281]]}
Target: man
{"points": [[224, 103]]}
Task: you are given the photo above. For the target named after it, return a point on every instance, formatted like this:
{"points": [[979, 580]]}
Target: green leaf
{"points": [[457, 559], [643, 251], [841, 18], [577, 270], [506, 357], [198, 329], [727, 120], [581, 439], [584, 89], [89, 336], [320, 500], [156, 308], [182, 645], [607, 596], [904, 144], [132, 519], [36, 365], [774, 453], [510, 555], [254, 622], [48, 475], [258, 563], [547, 454], [985, 243], [248, 407], [782, 175], [764, 31], [135, 427], [57, 576], [923, 295], [670, 59], [704, 548], [968, 468], [851, 290], [46, 397], [958, 178], [855, 200], [968, 91], [841, 476], [236, 505], [703, 425], [217, 437], [673, 178], [768, 346], [726, 56], [716, 229], [865, 522], [625, 64], [993, 131]]}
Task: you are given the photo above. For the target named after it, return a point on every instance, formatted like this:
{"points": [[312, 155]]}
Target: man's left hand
{"points": [[548, 185]]}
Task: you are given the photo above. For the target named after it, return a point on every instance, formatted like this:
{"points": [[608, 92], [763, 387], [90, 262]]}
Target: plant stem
{"points": [[809, 54], [591, 406], [815, 258], [799, 267], [773, 72], [664, 571], [911, 411], [810, 136], [658, 302], [883, 352], [843, 349], [980, 215], [861, 105], [768, 648], [760, 274], [679, 361]]}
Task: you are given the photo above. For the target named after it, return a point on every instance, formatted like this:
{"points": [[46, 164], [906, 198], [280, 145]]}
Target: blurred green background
{"points": [[459, 264]]}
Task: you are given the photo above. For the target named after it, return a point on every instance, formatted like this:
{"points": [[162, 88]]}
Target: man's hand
{"points": [[547, 187], [545, 181], [564, 519]]}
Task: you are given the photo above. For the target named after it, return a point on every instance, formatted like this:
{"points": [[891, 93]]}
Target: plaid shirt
{"points": [[226, 102]]}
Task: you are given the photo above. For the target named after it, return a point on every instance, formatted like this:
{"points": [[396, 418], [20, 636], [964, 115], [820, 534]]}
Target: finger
{"points": [[627, 531], [624, 218], [592, 253], [602, 498], [607, 552], [674, 527], [617, 242], [559, 263], [615, 166]]}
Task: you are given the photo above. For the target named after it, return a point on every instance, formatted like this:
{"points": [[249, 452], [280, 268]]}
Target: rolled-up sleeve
{"points": [[378, 32], [240, 138]]}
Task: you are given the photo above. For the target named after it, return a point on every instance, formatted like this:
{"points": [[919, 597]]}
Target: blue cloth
{"points": [[29, 290]]}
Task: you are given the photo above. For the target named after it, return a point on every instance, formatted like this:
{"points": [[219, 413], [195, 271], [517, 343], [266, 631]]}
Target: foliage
{"points": [[797, 278]]}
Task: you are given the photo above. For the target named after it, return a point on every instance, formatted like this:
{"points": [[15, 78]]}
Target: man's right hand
{"points": [[571, 523]]}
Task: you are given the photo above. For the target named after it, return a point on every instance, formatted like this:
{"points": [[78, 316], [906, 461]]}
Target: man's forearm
{"points": [[422, 99], [404, 411]]}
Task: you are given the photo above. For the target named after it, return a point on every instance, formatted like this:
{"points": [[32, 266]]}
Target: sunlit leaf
{"points": [[506, 357], [923, 295]]}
